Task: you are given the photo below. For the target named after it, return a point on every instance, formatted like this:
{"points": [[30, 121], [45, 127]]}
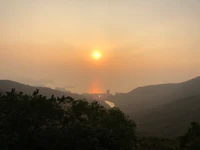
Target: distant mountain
{"points": [[152, 96], [7, 85], [172, 119]]}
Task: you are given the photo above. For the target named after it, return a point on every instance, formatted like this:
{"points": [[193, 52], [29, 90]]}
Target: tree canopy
{"points": [[191, 140], [38, 122]]}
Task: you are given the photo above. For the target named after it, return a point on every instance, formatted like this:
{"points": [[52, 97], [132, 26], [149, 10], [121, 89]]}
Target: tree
{"points": [[157, 143], [191, 140], [35, 122]]}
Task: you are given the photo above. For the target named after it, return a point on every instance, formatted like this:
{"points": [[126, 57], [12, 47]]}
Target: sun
{"points": [[97, 55]]}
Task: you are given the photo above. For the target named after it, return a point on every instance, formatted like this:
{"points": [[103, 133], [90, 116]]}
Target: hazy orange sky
{"points": [[50, 43]]}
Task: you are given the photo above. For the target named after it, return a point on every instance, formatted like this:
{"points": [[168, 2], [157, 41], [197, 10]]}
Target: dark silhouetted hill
{"points": [[152, 96], [7, 85], [172, 119]]}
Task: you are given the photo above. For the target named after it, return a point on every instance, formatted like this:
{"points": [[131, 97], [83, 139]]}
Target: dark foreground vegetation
{"points": [[37, 122]]}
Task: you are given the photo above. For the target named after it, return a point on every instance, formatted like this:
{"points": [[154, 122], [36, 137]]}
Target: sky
{"points": [[51, 42]]}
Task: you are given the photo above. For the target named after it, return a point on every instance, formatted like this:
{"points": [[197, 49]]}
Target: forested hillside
{"points": [[152, 96], [171, 119]]}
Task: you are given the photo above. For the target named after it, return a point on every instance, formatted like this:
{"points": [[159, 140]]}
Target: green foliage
{"points": [[155, 143], [36, 122], [191, 140]]}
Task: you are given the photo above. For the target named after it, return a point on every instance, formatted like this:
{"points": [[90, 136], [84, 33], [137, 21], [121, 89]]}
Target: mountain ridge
{"points": [[7, 85], [152, 96], [172, 119]]}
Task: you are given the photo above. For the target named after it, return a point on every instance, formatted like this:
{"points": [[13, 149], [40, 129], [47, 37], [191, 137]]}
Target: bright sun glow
{"points": [[96, 55]]}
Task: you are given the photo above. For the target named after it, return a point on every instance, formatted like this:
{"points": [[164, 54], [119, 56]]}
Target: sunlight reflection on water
{"points": [[110, 104]]}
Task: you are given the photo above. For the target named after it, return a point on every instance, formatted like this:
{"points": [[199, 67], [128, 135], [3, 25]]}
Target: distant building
{"points": [[97, 96], [108, 92]]}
